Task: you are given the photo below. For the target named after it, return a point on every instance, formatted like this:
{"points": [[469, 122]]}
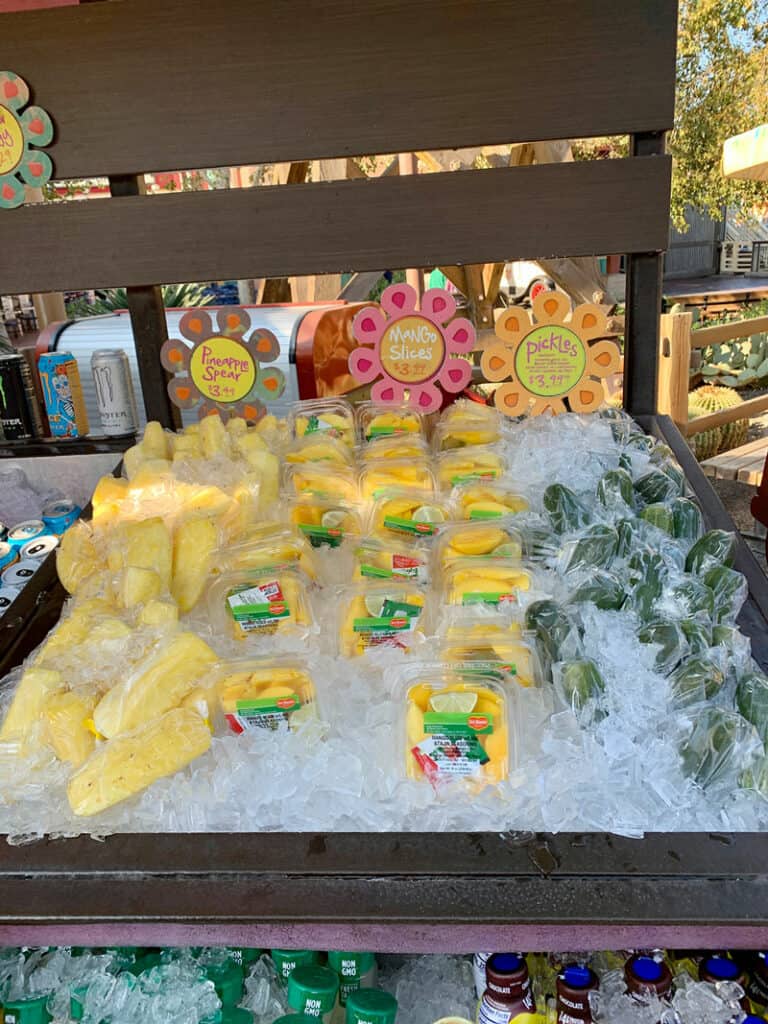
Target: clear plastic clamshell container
{"points": [[497, 582], [380, 614], [254, 605], [399, 513], [264, 693], [375, 420], [325, 523], [470, 465], [480, 500], [455, 729], [491, 648], [338, 483], [391, 559], [378, 477], [321, 448], [268, 546], [395, 446], [333, 417], [466, 423], [477, 540]]}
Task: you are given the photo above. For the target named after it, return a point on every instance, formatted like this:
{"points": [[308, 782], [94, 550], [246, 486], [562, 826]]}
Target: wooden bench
{"points": [[744, 464]]}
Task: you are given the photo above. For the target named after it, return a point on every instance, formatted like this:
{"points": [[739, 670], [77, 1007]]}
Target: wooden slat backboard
{"points": [[150, 85]]}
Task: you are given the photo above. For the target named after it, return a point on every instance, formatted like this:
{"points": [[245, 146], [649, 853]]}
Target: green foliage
{"points": [[398, 276], [112, 299], [722, 90]]}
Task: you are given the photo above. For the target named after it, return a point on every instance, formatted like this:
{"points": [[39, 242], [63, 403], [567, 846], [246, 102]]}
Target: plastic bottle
{"points": [[32, 1010], [313, 991], [227, 978], [721, 968], [479, 960], [573, 986], [287, 960], [371, 1006], [507, 995], [757, 985], [355, 971], [647, 976]]}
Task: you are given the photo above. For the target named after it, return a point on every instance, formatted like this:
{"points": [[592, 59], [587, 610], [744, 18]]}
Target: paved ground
{"points": [[737, 497]]}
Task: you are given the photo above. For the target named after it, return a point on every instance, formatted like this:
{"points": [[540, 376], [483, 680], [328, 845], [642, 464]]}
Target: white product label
{"points": [[493, 1014]]}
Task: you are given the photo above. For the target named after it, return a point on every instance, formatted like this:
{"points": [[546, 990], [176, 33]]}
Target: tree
{"points": [[722, 90]]}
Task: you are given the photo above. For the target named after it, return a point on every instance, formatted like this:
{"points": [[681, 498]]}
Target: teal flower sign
{"points": [[23, 130]]}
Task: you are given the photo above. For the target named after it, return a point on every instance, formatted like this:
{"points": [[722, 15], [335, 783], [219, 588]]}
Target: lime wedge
{"points": [[428, 514], [462, 703], [333, 519], [374, 603], [508, 550]]}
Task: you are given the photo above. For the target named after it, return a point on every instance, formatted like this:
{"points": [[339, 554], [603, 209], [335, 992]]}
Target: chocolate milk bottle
{"points": [[507, 995], [574, 984], [647, 977]]}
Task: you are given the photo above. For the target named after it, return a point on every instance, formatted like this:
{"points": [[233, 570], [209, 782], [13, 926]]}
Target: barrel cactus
{"points": [[711, 398], [707, 443]]}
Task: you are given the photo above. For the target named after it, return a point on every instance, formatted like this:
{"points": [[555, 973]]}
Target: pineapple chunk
{"points": [[158, 613], [155, 441], [148, 545], [35, 688], [128, 764], [138, 586], [65, 717], [186, 446], [194, 543], [107, 498], [237, 426], [133, 458], [213, 436], [77, 556], [158, 683], [109, 629]]}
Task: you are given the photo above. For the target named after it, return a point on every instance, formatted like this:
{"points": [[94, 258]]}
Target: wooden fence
{"points": [[676, 340]]}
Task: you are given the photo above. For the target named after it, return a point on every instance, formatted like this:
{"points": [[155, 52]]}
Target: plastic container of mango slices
{"points": [[252, 606], [270, 545], [480, 463], [497, 583], [455, 729], [382, 475], [319, 448], [323, 522], [384, 420], [333, 417], [264, 693], [394, 446], [321, 480], [398, 558], [386, 614], [467, 424], [497, 539], [400, 512], [479, 649], [487, 500]]}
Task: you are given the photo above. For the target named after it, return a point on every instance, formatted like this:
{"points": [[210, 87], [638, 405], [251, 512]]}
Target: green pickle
{"points": [[671, 641], [715, 548], [693, 596], [551, 625], [660, 516], [729, 591], [595, 548], [655, 486], [686, 519], [602, 589], [698, 633], [615, 490], [566, 512], [580, 682], [696, 679], [752, 702], [715, 745]]}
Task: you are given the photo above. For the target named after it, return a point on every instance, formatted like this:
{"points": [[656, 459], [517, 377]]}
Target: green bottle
{"points": [[355, 970], [227, 978], [27, 1011], [313, 991], [371, 1006], [287, 960]]}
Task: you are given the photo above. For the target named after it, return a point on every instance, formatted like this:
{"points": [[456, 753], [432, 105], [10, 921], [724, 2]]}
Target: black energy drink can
{"points": [[19, 412]]}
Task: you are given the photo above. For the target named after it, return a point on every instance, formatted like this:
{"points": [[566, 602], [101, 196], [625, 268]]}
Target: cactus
{"points": [[710, 398], [707, 443]]}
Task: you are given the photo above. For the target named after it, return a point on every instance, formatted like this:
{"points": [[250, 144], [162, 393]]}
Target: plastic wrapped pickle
{"points": [[482, 540], [487, 501], [386, 474], [129, 763], [381, 420], [456, 729], [265, 693], [271, 545], [253, 605], [320, 448], [330, 416], [496, 582], [466, 423], [400, 557], [375, 615], [409, 513], [470, 465], [338, 483], [325, 523]]}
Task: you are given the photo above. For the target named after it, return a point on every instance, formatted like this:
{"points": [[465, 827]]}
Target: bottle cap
{"points": [[312, 990], [351, 965], [227, 978], [236, 1015], [371, 1006], [721, 967], [287, 960], [296, 1018], [26, 1011], [504, 963], [645, 968], [576, 976]]}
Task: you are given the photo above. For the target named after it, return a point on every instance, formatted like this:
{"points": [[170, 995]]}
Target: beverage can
{"points": [[7, 554], [20, 416], [58, 516], [40, 547], [28, 530], [7, 596], [63, 394], [115, 396], [19, 573]]}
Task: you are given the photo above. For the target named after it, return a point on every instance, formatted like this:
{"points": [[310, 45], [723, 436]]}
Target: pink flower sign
{"points": [[412, 352]]}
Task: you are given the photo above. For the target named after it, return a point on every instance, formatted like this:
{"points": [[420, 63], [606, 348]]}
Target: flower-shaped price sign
{"points": [[20, 163], [221, 371], [412, 352], [551, 359]]}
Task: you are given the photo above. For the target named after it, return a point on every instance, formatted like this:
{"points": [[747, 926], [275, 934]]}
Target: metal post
{"points": [[150, 330], [643, 308]]}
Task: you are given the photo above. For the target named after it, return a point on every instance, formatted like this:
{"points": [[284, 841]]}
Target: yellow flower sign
{"points": [[552, 359]]}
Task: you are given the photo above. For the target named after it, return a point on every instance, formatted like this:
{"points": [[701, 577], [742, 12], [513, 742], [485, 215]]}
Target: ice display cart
{"points": [[134, 87]]}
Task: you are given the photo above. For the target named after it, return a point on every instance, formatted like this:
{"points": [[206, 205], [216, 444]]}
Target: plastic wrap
{"points": [[715, 548], [698, 679], [579, 685], [399, 557], [717, 746], [565, 510]]}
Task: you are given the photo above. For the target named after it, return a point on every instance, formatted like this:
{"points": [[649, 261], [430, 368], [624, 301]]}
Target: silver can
{"points": [[115, 396]]}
